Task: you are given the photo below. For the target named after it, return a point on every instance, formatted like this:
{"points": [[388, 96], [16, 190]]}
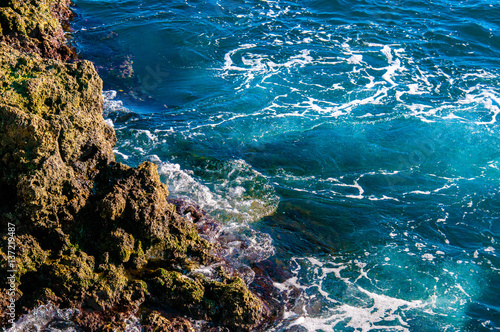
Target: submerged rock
{"points": [[90, 233]]}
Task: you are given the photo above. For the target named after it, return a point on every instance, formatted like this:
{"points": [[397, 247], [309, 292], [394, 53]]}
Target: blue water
{"points": [[354, 141]]}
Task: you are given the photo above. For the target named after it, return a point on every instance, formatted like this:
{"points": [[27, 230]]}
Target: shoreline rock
{"points": [[91, 233], [37, 27]]}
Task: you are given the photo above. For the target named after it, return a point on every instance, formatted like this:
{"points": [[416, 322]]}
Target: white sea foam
{"points": [[355, 185], [111, 104], [339, 293], [420, 192], [428, 257], [109, 122], [40, 318], [355, 59], [248, 246], [402, 79], [48, 317], [360, 309], [383, 198], [228, 200]]}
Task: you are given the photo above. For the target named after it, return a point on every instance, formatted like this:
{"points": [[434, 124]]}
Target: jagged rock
{"points": [[133, 222], [36, 26], [236, 306], [72, 274], [155, 322], [54, 138], [227, 302]]}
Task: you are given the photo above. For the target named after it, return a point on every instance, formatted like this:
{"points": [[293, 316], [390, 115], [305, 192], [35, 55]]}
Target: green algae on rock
{"points": [[155, 322], [91, 233], [226, 300], [54, 138], [36, 26]]}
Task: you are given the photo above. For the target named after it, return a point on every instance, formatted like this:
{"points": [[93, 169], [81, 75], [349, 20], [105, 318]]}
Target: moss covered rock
{"points": [[29, 255], [36, 26], [54, 137], [72, 273], [178, 290], [233, 305], [122, 245], [132, 205], [227, 301], [155, 322]]}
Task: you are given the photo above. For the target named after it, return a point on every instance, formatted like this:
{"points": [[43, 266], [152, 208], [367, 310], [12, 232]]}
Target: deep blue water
{"points": [[355, 141]]}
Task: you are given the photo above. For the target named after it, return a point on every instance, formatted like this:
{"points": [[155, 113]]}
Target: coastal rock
{"points": [[155, 322], [36, 26], [225, 300], [54, 138], [91, 233], [234, 305]]}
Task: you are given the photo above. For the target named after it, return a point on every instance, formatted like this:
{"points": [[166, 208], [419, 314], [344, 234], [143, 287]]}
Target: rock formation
{"points": [[90, 233]]}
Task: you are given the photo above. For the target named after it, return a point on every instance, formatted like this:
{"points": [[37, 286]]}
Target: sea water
{"points": [[356, 142]]}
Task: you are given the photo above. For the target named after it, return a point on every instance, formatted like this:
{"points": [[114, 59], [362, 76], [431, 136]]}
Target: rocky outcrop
{"points": [[54, 139], [90, 233]]}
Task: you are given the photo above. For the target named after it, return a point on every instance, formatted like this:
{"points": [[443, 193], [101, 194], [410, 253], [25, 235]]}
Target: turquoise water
{"points": [[354, 141]]}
